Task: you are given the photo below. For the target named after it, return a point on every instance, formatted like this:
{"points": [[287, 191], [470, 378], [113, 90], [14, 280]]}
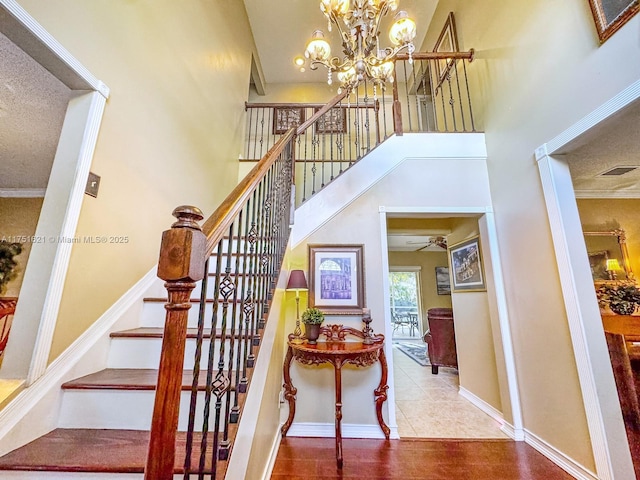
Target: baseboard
{"points": [[327, 430], [55, 373], [556, 456], [482, 405], [508, 429], [274, 454]]}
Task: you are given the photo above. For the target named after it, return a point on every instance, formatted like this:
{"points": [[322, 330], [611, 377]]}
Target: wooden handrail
{"points": [[332, 103], [248, 105], [218, 223], [439, 55]]}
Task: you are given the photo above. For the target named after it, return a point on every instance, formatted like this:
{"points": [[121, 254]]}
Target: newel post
{"points": [[181, 264]]}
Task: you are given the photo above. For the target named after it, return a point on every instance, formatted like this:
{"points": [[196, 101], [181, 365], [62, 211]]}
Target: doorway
{"points": [[447, 404]]}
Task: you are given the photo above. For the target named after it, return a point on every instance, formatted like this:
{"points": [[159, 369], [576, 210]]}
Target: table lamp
{"points": [[297, 282], [612, 266]]}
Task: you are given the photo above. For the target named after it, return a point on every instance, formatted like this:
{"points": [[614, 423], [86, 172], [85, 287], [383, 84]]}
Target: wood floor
{"points": [[314, 458]]}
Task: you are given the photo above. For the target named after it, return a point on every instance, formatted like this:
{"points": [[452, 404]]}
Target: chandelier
{"points": [[358, 22]]}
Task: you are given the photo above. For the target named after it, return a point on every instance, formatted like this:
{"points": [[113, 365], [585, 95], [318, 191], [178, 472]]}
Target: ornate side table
{"points": [[338, 352]]}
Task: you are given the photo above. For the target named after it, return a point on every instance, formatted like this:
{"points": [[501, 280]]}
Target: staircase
{"points": [[104, 417]]}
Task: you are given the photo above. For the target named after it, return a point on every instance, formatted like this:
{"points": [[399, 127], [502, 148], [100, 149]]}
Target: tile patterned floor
{"points": [[429, 406]]}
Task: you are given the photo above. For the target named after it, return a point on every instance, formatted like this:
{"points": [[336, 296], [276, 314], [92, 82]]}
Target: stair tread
{"points": [[128, 379], [158, 332], [89, 450]]}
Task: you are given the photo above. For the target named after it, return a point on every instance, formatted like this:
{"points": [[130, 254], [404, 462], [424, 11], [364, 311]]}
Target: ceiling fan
{"points": [[438, 241]]}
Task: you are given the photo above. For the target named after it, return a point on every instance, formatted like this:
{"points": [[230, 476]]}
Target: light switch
{"points": [[93, 183]]}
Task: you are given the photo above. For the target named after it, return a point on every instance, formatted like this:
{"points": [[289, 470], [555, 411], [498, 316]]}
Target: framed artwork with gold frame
{"points": [[610, 15]]}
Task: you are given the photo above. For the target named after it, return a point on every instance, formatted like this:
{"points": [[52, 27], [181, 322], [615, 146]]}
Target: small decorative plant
{"points": [[312, 316], [7, 263], [621, 298]]}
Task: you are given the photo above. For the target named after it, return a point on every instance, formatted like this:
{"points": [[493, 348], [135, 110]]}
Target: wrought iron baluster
{"points": [[455, 69], [357, 124], [262, 133], [384, 114], [209, 386], [452, 101], [196, 371], [250, 117], [255, 136], [350, 130], [416, 85], [366, 112], [406, 91], [466, 80]]}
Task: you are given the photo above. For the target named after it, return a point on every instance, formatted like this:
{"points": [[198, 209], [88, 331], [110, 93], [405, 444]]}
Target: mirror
{"points": [[608, 256]]}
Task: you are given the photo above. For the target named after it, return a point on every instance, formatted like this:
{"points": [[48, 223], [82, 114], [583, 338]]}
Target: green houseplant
{"points": [[8, 252], [621, 298], [312, 319]]}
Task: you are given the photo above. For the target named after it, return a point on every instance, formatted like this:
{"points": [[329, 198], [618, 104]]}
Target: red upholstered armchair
{"points": [[441, 340]]}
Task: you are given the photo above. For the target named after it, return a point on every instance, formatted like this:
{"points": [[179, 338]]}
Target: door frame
{"points": [[27, 353], [604, 418]]}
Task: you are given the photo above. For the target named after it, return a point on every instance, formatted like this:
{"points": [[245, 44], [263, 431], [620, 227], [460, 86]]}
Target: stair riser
{"points": [[145, 353], [122, 409], [154, 314]]}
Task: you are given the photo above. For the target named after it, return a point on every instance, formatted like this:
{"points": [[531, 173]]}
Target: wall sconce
{"points": [[297, 282]]}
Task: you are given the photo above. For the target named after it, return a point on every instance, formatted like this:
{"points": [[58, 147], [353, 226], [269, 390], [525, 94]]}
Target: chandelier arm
{"points": [[346, 47]]}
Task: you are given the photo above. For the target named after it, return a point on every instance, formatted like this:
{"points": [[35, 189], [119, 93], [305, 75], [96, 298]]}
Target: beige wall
{"points": [[538, 69], [427, 261], [171, 132], [601, 215], [413, 182], [19, 217]]}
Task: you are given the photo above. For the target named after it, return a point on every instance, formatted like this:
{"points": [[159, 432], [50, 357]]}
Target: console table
{"points": [[338, 352]]}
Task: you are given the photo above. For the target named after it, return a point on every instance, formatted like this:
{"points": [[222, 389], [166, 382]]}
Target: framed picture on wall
{"points": [[336, 279], [466, 264], [447, 42], [285, 118], [610, 15], [443, 282]]}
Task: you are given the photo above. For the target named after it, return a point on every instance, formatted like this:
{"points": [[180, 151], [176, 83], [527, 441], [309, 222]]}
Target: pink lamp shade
{"points": [[297, 281]]}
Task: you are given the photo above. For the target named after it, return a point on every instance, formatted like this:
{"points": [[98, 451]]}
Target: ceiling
{"points": [[282, 28], [33, 103], [614, 143], [32, 107]]}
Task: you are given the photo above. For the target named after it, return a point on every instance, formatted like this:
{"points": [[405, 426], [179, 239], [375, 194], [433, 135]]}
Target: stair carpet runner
{"points": [[105, 417]]}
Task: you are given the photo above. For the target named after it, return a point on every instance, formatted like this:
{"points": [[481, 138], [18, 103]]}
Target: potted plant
{"points": [[621, 298], [7, 263], [312, 319]]}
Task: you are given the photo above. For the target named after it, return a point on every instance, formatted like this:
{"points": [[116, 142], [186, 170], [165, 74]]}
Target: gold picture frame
{"points": [[447, 42], [467, 272], [611, 15]]}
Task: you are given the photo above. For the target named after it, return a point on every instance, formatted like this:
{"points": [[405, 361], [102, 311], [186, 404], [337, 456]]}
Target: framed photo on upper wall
{"points": [[336, 279], [466, 265], [610, 15]]}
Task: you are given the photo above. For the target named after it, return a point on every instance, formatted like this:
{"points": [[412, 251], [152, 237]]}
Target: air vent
{"points": [[617, 171]]}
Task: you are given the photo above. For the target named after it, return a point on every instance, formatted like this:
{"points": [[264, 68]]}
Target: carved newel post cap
{"points": [[188, 217], [183, 248]]}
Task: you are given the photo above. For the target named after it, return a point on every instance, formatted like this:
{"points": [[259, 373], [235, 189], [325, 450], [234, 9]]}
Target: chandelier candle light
{"points": [[358, 22]]}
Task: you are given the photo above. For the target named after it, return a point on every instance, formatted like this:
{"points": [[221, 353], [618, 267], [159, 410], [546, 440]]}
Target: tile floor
{"points": [[429, 406]]}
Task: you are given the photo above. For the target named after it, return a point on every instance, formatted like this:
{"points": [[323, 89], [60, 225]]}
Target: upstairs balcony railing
{"points": [[431, 94]]}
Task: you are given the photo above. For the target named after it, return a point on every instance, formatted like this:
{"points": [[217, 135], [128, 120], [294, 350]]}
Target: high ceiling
{"points": [[33, 103], [32, 107], [282, 28]]}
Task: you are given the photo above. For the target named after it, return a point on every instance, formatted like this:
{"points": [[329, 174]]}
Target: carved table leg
{"points": [[338, 377], [289, 391], [381, 394]]}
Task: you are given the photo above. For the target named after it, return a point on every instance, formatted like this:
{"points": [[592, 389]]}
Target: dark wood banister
{"points": [[438, 55], [218, 223], [183, 253]]}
